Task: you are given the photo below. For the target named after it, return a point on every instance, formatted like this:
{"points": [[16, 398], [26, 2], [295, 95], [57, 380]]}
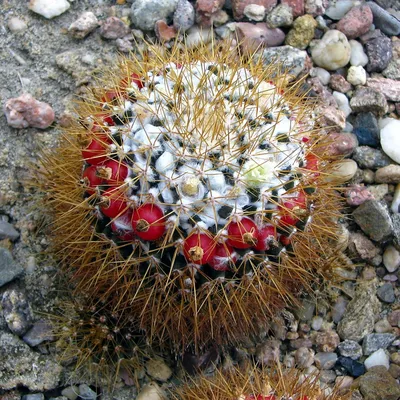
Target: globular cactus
{"points": [[193, 195]]}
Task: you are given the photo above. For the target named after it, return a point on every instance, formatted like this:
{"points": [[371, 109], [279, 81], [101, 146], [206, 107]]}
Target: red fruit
{"points": [[109, 96], [285, 240], [303, 398], [96, 151], [113, 203], [260, 397], [148, 221], [266, 235], [224, 257], [135, 78], [311, 162], [242, 234], [291, 209], [122, 226], [199, 248], [114, 172], [91, 180]]}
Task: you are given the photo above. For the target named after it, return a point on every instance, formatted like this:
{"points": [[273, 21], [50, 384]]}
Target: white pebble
{"points": [[342, 171], [338, 9], [378, 357], [358, 56], [342, 102], [395, 207], [254, 12], [49, 8], [391, 258], [196, 35], [16, 25], [322, 74], [390, 139], [356, 75], [150, 392]]}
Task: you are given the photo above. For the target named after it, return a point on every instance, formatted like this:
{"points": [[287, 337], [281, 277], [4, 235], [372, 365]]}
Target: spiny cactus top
{"points": [[202, 203]]}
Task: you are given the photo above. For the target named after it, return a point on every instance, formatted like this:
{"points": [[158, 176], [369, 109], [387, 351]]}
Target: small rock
{"points": [[33, 396], [342, 171], [9, 269], [49, 8], [356, 75], [316, 7], [316, 322], [145, 13], [379, 52], [376, 341], [302, 32], [395, 207], [361, 246], [342, 102], [17, 311], [367, 99], [124, 44], [388, 87], [16, 25], [164, 32], [322, 74], [297, 6], [206, 10], [342, 143], [338, 9], [378, 384], [86, 393], [255, 12], [384, 21], [71, 392], [40, 332], [391, 258], [356, 195], [332, 51], [196, 35], [327, 376], [184, 16], [343, 383], [339, 83], [358, 56], [388, 174], [356, 22], [327, 341], [86, 23], [113, 28], [383, 326], [386, 293], [325, 360], [304, 357], [268, 353], [378, 357], [366, 129], [158, 369], [390, 140], [359, 318], [333, 118], [394, 370], [351, 349], [350, 366], [368, 157], [281, 15], [24, 111], [238, 6], [339, 309], [150, 392], [7, 231]]}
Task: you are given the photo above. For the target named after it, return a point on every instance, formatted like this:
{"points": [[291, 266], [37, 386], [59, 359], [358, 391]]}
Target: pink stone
{"points": [[254, 36], [25, 110], [206, 9], [339, 83], [342, 143], [357, 194], [316, 7], [332, 117], [238, 6], [388, 87], [164, 32], [297, 6], [114, 28], [356, 22]]}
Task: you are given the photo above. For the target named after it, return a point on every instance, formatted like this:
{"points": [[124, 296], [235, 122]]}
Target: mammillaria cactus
{"points": [[192, 196]]}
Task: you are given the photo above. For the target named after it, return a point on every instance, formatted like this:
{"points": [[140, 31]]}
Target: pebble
{"points": [[150, 392], [145, 13], [33, 396], [395, 206], [358, 56], [378, 357], [326, 341], [16, 25], [304, 357], [281, 15], [343, 143], [394, 370], [316, 322], [367, 99], [361, 246], [40, 332], [366, 129], [378, 384], [49, 8], [184, 16], [71, 392], [322, 74], [86, 23], [376, 341], [332, 51], [383, 326], [351, 349], [386, 293], [268, 353], [238, 6], [356, 22], [349, 366], [327, 376], [316, 7], [379, 52], [296, 5], [113, 28], [17, 311], [357, 194], [339, 309], [196, 35], [7, 231], [164, 32], [342, 171], [9, 269], [356, 75], [339, 83], [325, 360], [158, 369], [25, 111], [388, 174], [333, 117], [379, 191], [390, 139], [388, 87], [359, 317], [343, 104], [302, 32], [255, 12], [367, 157], [86, 393], [384, 21], [338, 9]]}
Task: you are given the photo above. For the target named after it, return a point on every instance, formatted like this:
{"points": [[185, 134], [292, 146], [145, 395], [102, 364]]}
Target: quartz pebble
{"points": [[338, 9], [255, 12], [86, 393], [16, 25], [7, 231], [343, 143], [49, 8], [322, 74], [332, 51], [304, 357], [281, 15], [71, 392], [316, 8], [395, 206], [356, 75], [343, 104], [150, 392], [379, 357], [390, 139], [325, 360], [196, 35], [342, 171], [17, 311], [86, 23], [238, 6], [358, 56]]}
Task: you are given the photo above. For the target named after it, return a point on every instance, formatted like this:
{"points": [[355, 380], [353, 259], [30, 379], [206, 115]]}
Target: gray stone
{"points": [[367, 99], [281, 15], [383, 20], [33, 396], [40, 332], [374, 219], [86, 393], [21, 366], [17, 311], [325, 360], [184, 16], [396, 229], [304, 357], [7, 231], [367, 157], [71, 392], [268, 352], [386, 293], [359, 318], [9, 269], [379, 52], [376, 341], [350, 348], [145, 13], [378, 384], [339, 309], [158, 369]]}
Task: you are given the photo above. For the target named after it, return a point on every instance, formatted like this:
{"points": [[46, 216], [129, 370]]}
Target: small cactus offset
{"points": [[194, 195]]}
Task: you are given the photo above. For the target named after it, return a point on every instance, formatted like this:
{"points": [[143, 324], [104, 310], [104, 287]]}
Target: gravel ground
{"points": [[354, 332]]}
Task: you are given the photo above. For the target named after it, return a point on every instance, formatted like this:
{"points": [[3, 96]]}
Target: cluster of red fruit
{"points": [[270, 397]]}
